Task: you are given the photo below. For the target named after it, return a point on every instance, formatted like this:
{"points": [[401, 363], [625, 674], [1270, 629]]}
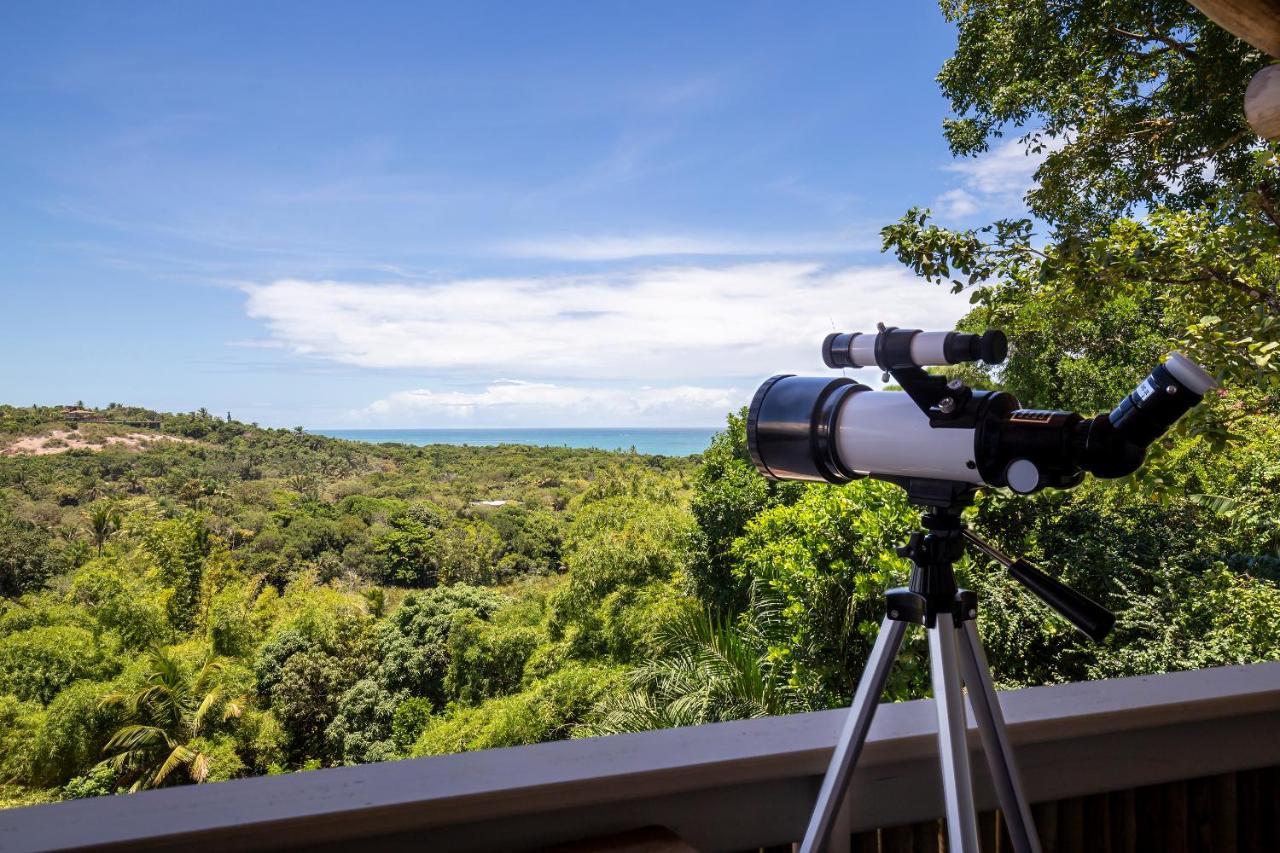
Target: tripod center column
{"points": [[933, 552]]}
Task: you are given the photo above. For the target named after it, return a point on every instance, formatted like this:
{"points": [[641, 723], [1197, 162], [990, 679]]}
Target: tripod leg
{"points": [[953, 747], [995, 741], [854, 734]]}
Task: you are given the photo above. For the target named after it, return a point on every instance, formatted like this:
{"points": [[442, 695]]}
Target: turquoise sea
{"points": [[662, 441]]}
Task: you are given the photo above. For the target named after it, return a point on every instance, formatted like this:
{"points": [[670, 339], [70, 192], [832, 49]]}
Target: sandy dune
{"points": [[60, 441]]}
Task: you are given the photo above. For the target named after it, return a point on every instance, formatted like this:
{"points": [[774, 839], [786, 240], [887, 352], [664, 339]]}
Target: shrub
{"points": [[75, 727], [412, 643], [361, 731], [486, 660], [817, 571], [97, 781], [39, 662], [549, 710], [20, 723]]}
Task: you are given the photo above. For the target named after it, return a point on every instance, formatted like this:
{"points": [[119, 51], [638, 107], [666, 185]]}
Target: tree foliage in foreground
{"points": [[1163, 226], [1137, 102]]}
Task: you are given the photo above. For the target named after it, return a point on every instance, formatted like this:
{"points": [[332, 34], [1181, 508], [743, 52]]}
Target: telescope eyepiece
{"points": [[991, 347], [836, 350], [1170, 391]]}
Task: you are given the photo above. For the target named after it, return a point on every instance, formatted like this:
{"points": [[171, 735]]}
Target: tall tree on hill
{"points": [[103, 520]]}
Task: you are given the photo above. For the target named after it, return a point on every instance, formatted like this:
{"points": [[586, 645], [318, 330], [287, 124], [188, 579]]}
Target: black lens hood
{"points": [[791, 428]]}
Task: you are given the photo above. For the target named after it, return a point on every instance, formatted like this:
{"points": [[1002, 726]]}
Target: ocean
{"points": [[658, 441]]}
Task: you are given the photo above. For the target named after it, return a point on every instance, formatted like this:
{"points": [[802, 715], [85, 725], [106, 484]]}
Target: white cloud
{"points": [[615, 247], [661, 325], [545, 404], [266, 343], [996, 179], [957, 203]]}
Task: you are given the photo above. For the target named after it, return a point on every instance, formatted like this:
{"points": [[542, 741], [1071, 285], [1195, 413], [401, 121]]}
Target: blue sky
{"points": [[479, 214]]}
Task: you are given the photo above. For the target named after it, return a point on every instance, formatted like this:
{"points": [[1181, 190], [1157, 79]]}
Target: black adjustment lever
{"points": [[1078, 609]]}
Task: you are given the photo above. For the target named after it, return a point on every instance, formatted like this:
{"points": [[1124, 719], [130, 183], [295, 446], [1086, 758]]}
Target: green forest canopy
{"points": [[257, 601]]}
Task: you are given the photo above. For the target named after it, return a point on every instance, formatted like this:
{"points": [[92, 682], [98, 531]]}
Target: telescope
{"points": [[837, 430], [941, 441]]}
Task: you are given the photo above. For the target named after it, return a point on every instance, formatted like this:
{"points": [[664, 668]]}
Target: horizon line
{"points": [[501, 428]]}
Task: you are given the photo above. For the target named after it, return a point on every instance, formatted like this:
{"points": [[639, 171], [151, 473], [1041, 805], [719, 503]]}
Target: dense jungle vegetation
{"points": [[258, 601]]}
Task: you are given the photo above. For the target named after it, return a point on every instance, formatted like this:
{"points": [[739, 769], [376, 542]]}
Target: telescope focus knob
{"points": [[1023, 476]]}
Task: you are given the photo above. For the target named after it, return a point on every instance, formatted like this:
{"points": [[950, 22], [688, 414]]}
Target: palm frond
{"points": [[709, 670], [206, 705], [1217, 504], [180, 756], [200, 767], [172, 706], [138, 736]]}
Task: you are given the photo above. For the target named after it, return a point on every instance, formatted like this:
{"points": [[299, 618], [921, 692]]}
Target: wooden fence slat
{"points": [[1270, 807], [866, 842], [1226, 812], [926, 837], [897, 839], [989, 831], [1046, 818], [1176, 835], [1097, 823], [1124, 822], [1005, 839], [1071, 825], [1148, 806], [1200, 837]]}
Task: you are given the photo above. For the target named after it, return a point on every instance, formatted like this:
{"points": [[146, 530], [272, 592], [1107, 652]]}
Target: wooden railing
{"points": [[1226, 813], [1191, 738]]}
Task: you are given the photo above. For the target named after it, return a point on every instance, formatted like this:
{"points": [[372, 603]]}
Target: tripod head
{"points": [[941, 541]]}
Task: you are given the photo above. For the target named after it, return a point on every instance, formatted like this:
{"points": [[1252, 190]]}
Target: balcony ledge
{"points": [[727, 786]]}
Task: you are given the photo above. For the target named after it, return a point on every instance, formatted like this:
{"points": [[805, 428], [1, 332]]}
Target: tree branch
{"points": [[1267, 202], [1182, 48], [1247, 289], [1212, 152]]}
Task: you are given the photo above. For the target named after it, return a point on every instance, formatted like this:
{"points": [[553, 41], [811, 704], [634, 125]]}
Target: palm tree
{"points": [[171, 709], [104, 520], [709, 672]]}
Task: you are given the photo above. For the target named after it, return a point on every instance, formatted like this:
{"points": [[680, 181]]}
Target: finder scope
{"points": [[837, 430], [902, 347]]}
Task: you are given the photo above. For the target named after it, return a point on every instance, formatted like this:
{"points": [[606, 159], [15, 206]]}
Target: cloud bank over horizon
{"points": [[678, 344], [510, 402], [659, 329]]}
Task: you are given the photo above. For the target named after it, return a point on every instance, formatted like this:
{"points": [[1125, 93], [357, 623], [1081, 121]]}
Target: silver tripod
{"points": [[956, 662]]}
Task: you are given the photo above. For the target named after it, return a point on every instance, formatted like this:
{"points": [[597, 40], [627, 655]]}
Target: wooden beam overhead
{"points": [[1254, 21]]}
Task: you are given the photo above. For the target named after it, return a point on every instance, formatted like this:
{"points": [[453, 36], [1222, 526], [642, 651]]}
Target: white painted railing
{"points": [[730, 786]]}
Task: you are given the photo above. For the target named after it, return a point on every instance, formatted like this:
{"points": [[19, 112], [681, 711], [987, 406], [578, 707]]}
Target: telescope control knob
{"points": [[1022, 476]]}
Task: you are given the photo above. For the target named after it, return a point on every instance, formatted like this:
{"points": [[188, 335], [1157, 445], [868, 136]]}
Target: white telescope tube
{"points": [[884, 432]]}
